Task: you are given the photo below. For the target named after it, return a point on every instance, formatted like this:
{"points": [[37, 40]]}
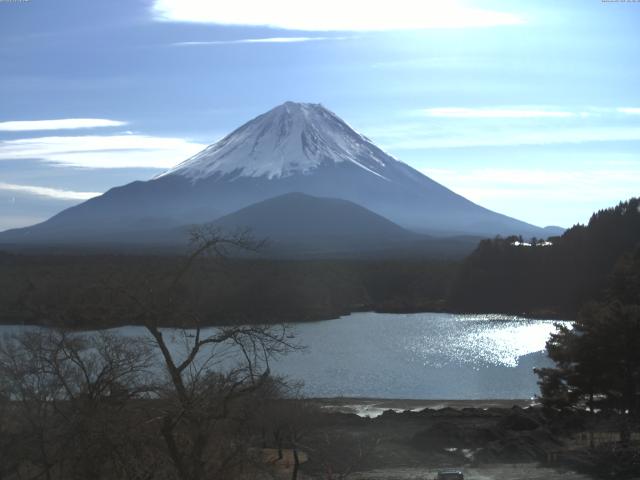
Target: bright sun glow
{"points": [[354, 15]]}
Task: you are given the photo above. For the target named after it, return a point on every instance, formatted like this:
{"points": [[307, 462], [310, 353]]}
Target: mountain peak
{"points": [[292, 138], [294, 109], [297, 106]]}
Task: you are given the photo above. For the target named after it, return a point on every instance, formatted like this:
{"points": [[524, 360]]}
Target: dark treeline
{"points": [[502, 275], [543, 279], [597, 365], [223, 291]]}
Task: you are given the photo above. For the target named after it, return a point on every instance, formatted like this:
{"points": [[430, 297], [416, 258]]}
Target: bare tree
{"points": [[281, 420], [172, 404], [8, 432], [67, 394], [340, 454], [212, 372]]}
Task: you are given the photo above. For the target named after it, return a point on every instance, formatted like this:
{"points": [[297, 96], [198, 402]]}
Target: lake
{"points": [[414, 356]]}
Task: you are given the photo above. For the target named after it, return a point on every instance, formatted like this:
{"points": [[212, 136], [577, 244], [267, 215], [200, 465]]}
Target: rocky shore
{"points": [[412, 439]]}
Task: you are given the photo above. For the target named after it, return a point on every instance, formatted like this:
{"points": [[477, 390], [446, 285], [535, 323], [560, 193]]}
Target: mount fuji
{"points": [[295, 147]]}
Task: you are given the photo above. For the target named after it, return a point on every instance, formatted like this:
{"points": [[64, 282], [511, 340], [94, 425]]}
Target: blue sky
{"points": [[529, 108]]}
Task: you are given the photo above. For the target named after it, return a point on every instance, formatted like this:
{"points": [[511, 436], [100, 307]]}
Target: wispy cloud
{"points": [[335, 15], [465, 127], [496, 112], [629, 110], [48, 192], [103, 151], [258, 40], [59, 124], [424, 136]]}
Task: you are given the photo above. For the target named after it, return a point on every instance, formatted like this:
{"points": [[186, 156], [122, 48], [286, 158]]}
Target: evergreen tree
{"points": [[598, 359]]}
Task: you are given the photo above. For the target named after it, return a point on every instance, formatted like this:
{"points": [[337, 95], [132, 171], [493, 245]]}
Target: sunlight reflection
{"points": [[481, 340]]}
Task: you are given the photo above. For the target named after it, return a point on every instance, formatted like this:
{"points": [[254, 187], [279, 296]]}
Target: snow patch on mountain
{"points": [[293, 138]]}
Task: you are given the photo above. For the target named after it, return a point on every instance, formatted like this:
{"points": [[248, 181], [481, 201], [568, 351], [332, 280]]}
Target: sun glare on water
{"points": [[481, 340]]}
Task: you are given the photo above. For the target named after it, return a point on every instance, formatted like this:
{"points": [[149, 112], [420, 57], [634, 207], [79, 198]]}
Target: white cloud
{"points": [[416, 136], [334, 15], [465, 127], [103, 151], [258, 40], [48, 192], [492, 112], [59, 124], [629, 110]]}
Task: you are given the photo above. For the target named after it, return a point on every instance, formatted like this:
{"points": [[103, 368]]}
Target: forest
{"points": [[553, 278], [225, 291], [548, 279]]}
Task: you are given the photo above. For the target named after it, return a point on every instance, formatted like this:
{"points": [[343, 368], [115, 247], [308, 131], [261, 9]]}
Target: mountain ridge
{"points": [[295, 147]]}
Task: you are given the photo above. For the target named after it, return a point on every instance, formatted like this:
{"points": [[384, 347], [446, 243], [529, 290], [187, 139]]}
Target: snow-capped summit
{"points": [[291, 138], [293, 148]]}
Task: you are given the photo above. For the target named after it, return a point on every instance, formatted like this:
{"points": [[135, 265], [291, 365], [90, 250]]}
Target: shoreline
{"points": [[319, 319], [374, 407]]}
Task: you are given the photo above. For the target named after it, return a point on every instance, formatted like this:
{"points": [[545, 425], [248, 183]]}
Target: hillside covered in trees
{"points": [[503, 275], [552, 278], [85, 291]]}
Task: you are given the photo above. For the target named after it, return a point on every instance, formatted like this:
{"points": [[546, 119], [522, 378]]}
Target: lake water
{"points": [[414, 356]]}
